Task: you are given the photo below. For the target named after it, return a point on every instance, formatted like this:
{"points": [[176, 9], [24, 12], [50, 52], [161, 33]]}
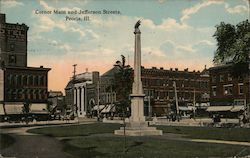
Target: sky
{"points": [[174, 33]]}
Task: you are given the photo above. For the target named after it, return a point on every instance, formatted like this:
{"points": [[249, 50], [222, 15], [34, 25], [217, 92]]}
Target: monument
{"points": [[137, 125]]}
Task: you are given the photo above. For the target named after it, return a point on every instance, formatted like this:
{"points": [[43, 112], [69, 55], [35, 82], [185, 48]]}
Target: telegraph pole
{"points": [[74, 93], [176, 99], [98, 100]]}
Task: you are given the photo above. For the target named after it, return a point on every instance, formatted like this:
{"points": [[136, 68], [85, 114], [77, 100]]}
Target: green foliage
{"points": [[26, 107], [123, 85], [233, 42]]}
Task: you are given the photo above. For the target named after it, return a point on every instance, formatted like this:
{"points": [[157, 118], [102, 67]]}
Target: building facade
{"points": [[21, 84], [229, 90], [13, 43], [192, 88], [56, 102], [81, 93]]}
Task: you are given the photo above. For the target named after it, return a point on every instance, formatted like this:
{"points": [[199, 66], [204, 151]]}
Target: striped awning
{"points": [[225, 108], [238, 108], [38, 108]]}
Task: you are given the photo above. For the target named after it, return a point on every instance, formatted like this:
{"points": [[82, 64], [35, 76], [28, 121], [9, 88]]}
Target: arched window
{"points": [[30, 80], [36, 80]]}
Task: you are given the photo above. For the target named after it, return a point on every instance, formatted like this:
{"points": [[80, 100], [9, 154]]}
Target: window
{"points": [[12, 46], [240, 102], [12, 59], [213, 79], [241, 88], [229, 77], [221, 78], [214, 91], [228, 89]]}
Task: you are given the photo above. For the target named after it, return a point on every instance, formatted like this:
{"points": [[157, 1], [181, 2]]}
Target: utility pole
{"points": [[74, 92], [194, 102], [98, 100], [149, 104], [176, 99]]}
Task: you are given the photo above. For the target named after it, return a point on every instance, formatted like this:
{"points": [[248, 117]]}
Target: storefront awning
{"points": [[14, 108], [225, 108], [1, 109], [238, 108], [100, 107], [186, 108], [108, 108], [38, 108]]}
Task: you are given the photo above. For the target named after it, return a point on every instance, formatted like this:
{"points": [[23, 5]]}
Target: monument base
{"points": [[138, 129]]}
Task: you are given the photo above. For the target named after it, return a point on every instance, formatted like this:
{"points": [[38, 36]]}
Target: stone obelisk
{"points": [[137, 125]]}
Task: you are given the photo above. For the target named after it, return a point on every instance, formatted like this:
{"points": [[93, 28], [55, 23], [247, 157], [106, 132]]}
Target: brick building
{"points": [[159, 90], [192, 87], [229, 93], [21, 84]]}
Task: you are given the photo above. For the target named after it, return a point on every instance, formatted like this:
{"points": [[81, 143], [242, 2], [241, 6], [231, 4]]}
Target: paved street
{"points": [[27, 146]]}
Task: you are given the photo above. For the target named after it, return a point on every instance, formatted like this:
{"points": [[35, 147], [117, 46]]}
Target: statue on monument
{"points": [[138, 24]]}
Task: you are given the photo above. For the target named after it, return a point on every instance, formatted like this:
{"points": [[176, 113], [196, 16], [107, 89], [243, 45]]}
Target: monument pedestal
{"points": [[138, 129]]}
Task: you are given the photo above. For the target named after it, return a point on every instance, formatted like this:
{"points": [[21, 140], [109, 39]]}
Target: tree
{"points": [[233, 43], [123, 85], [26, 111]]}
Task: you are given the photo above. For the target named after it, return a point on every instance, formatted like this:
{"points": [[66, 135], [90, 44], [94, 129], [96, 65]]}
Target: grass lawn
{"points": [[80, 142], [234, 134], [76, 130], [113, 147], [6, 140]]}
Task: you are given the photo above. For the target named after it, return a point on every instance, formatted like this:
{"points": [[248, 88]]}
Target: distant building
{"points": [[229, 93], [107, 93], [192, 88], [21, 84], [13, 43], [56, 102], [81, 93]]}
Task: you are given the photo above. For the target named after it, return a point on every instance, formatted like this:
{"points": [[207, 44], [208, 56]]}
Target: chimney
{"points": [[176, 69], [161, 68]]}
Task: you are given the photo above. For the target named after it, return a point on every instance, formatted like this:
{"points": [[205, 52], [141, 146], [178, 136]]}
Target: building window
{"points": [[12, 59], [241, 102], [12, 46], [213, 79], [25, 80], [228, 89], [221, 78], [241, 88], [229, 77], [214, 91]]}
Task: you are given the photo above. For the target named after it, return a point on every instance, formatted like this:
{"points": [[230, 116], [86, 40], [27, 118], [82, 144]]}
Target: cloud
{"points": [[186, 13], [11, 3], [236, 9]]}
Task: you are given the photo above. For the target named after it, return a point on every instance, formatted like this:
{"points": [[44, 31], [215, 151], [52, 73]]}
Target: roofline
{"points": [[28, 68]]}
